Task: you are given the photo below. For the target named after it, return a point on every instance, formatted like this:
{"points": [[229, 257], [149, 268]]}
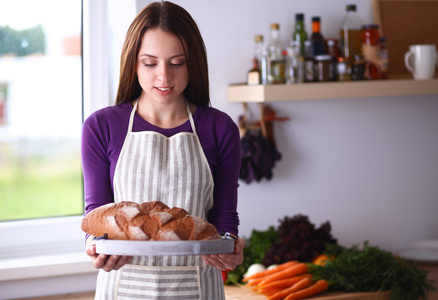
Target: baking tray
{"points": [[159, 248]]}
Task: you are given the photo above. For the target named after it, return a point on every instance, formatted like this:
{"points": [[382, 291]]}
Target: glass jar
{"points": [[323, 68]]}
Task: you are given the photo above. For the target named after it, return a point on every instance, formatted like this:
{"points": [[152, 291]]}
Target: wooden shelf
{"points": [[331, 90]]}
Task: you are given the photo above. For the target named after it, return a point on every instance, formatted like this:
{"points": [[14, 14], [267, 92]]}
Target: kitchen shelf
{"points": [[331, 90]]}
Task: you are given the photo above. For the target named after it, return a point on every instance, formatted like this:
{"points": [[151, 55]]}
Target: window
{"points": [[38, 252], [40, 109]]}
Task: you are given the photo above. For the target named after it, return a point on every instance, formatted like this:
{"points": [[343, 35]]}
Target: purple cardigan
{"points": [[104, 132]]}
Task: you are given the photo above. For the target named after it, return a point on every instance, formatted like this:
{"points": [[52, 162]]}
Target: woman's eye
{"points": [[171, 64], [177, 64]]}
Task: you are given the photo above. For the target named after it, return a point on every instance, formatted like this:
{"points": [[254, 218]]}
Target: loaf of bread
{"points": [[153, 221]]}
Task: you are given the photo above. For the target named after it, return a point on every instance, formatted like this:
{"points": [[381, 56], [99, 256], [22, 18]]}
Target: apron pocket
{"points": [[169, 282]]}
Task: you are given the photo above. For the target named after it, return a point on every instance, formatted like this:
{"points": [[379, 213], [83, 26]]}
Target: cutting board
{"points": [[244, 293]]}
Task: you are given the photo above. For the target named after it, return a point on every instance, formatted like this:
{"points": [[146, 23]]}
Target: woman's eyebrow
{"points": [[155, 57]]}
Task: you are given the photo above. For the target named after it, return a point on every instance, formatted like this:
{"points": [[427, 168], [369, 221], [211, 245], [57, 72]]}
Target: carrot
{"points": [[316, 288], [268, 294], [281, 284], [267, 272], [302, 284], [255, 281], [292, 271]]}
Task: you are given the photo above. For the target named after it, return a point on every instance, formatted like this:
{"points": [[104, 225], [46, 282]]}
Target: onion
{"points": [[253, 269]]}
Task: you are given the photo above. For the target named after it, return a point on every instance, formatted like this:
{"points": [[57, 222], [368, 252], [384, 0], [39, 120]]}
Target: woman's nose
{"points": [[164, 72]]}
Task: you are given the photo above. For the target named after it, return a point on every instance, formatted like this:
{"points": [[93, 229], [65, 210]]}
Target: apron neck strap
{"points": [[131, 118], [189, 112]]}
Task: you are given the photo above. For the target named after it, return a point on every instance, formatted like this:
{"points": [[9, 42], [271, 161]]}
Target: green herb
{"points": [[372, 269], [254, 251]]}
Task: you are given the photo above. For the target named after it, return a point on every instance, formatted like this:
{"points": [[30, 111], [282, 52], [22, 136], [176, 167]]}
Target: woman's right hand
{"points": [[106, 262]]}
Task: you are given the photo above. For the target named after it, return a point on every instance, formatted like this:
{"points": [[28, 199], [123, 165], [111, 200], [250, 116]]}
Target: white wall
{"points": [[367, 165]]}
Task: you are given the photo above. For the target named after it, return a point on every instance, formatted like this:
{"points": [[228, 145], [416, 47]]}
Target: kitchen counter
{"points": [[245, 293]]}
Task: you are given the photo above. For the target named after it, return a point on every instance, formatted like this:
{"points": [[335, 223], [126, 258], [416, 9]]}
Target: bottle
{"points": [[351, 34], [383, 59], [300, 34], [254, 75], [333, 48], [371, 50], [261, 55], [316, 39], [294, 72], [276, 58], [264, 66], [258, 47], [333, 51]]}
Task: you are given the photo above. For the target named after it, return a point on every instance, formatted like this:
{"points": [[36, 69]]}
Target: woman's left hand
{"points": [[227, 261]]}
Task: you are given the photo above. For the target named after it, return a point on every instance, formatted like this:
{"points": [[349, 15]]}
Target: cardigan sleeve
{"points": [[95, 164], [226, 175]]}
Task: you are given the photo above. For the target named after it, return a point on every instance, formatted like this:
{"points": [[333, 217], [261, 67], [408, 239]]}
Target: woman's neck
{"points": [[163, 115]]}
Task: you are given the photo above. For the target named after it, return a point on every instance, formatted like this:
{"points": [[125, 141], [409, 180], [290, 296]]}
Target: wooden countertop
{"points": [[245, 293]]}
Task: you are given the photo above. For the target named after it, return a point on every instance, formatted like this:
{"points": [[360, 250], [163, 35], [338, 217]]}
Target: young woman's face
{"points": [[162, 70]]}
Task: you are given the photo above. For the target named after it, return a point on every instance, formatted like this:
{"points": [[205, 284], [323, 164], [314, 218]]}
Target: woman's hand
{"points": [[106, 262], [227, 261]]}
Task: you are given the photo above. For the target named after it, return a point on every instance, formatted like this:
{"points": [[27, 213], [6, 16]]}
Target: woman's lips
{"points": [[164, 90]]}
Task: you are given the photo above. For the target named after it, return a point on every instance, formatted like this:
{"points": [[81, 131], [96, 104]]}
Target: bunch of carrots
{"points": [[288, 281]]}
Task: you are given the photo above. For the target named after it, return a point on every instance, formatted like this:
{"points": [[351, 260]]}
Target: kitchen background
{"points": [[367, 165]]}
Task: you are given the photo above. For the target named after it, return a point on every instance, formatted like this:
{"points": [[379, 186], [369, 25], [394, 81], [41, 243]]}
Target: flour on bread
{"points": [[131, 212], [162, 217], [136, 233], [167, 236]]}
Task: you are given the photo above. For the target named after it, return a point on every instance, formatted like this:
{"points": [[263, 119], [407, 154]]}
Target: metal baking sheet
{"points": [[158, 248]]}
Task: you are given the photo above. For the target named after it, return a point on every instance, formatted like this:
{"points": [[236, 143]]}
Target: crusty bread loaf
{"points": [[147, 221]]}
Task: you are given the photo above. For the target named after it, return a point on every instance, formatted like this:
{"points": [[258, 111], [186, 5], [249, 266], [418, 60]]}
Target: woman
{"points": [[162, 141]]}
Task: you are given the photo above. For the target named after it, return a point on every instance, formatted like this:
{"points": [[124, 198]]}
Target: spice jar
{"points": [[323, 68], [371, 50]]}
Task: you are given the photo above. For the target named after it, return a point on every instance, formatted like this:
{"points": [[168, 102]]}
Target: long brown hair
{"points": [[170, 18]]}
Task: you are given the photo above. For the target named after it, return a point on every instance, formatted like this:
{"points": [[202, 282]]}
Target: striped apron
{"points": [[152, 167]]}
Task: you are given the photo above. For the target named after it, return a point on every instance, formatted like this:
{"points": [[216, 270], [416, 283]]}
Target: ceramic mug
{"points": [[421, 61]]}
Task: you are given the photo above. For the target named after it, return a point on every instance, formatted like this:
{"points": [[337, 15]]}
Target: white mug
{"points": [[421, 61]]}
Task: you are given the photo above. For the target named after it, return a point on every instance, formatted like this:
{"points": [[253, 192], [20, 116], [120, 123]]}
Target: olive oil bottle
{"points": [[351, 34]]}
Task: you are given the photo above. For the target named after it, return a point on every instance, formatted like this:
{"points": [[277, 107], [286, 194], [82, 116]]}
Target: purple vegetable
{"points": [[299, 240]]}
